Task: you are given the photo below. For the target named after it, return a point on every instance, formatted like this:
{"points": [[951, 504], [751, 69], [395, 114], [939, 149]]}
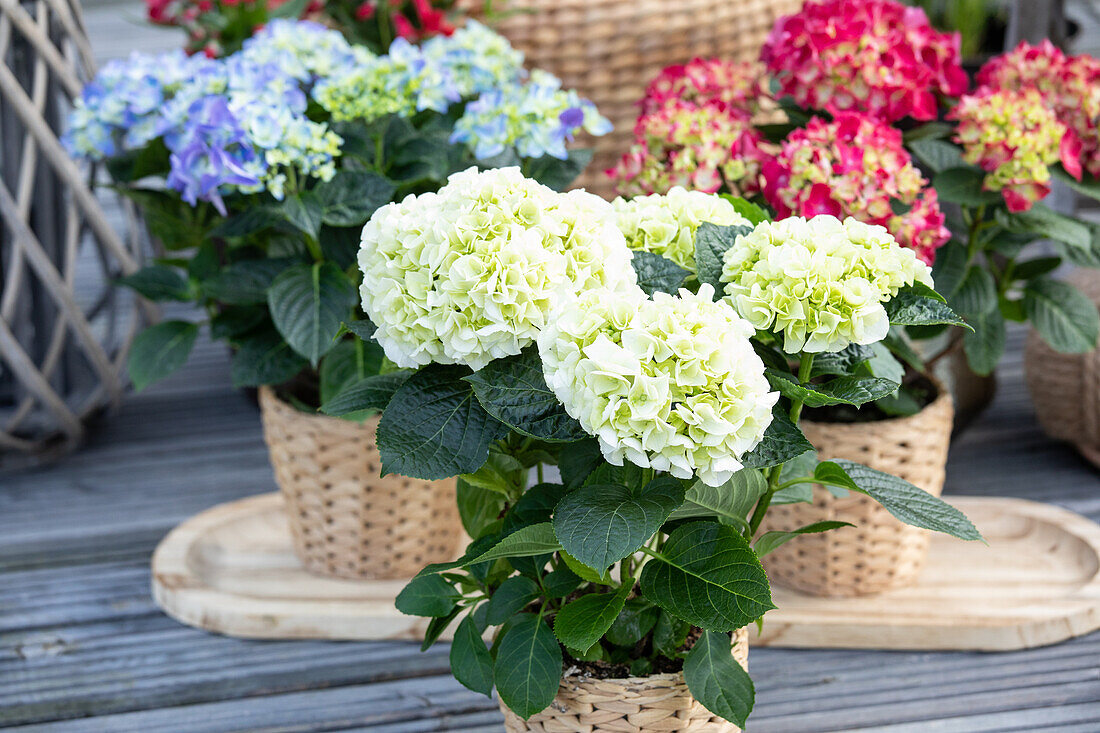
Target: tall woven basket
{"points": [[347, 520], [660, 702], [1065, 388], [609, 50], [879, 553], [64, 330]]}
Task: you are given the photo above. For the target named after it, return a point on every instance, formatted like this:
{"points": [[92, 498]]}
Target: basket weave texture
{"points": [[1065, 388], [347, 520], [609, 50], [879, 553], [660, 702]]}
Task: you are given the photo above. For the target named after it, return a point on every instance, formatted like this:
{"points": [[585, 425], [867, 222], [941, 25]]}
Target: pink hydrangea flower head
{"points": [[873, 56], [1014, 136], [738, 84], [856, 166], [706, 147]]}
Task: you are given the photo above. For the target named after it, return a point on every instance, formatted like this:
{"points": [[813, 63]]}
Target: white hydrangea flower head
{"points": [[670, 383], [666, 224], [471, 273], [821, 282]]}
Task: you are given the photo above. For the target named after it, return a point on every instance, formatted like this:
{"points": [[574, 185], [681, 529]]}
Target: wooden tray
{"points": [[231, 570]]}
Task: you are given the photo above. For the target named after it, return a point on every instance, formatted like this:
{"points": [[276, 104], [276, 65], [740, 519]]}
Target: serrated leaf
{"points": [[264, 358], [160, 350], [717, 681], [770, 541], [434, 427], [637, 619], [535, 506], [841, 362], [602, 524], [583, 571], [657, 274], [578, 462], [426, 595], [536, 539], [158, 283], [782, 441], [471, 663], [370, 393], [1045, 222], [708, 575], [908, 503], [711, 243], [514, 391], [583, 622], [351, 197], [838, 391], [732, 500], [308, 304], [1062, 315], [304, 212], [909, 308], [513, 595], [527, 669]]}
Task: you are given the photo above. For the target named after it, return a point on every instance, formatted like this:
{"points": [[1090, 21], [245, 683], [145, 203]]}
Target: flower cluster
{"points": [[737, 84], [1069, 85], [821, 283], [1014, 136], [706, 147], [666, 224], [856, 166], [874, 56], [470, 274], [670, 383]]}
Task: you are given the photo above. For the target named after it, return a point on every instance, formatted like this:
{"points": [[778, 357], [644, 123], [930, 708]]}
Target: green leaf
{"points": [[732, 500], [708, 575], [309, 303], [938, 155], [1063, 316], [908, 308], [949, 268], [747, 209], [908, 503], [370, 393], [669, 634], [160, 350], [247, 282], [770, 541], [717, 681], [711, 243], [985, 345], [1045, 222], [842, 362], [782, 441], [513, 595], [1088, 185], [583, 571], [169, 219], [232, 323], [1029, 269], [582, 623], [527, 669], [158, 283], [558, 174], [514, 391], [657, 274], [352, 196], [579, 461], [884, 365], [437, 626], [348, 362], [637, 619], [837, 391], [536, 539], [426, 595], [434, 427], [478, 508], [602, 524], [471, 663], [560, 582], [963, 186], [929, 130], [264, 358], [304, 212], [976, 294], [250, 221]]}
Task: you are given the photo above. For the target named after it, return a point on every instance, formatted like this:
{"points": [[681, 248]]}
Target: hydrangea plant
{"points": [[257, 171], [660, 421]]}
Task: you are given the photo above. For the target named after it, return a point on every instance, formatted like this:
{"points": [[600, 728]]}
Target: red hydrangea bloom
{"points": [[738, 84], [873, 56], [707, 147], [856, 166]]}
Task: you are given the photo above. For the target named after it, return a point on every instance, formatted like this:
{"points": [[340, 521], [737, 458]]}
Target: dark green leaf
{"points": [[347, 363], [527, 669], [352, 196], [232, 323], [435, 428], [369, 393], [477, 507], [558, 174], [711, 243], [579, 461], [600, 525], [717, 681], [160, 350], [927, 131], [308, 305], [985, 345], [842, 362], [471, 664], [1063, 316], [732, 500], [976, 294], [1088, 185], [247, 282], [963, 186], [708, 575], [908, 308], [837, 391], [513, 595], [637, 619], [583, 622], [1029, 269], [560, 582], [1045, 222], [908, 503], [363, 329], [304, 212], [583, 571], [514, 391], [158, 283], [769, 541], [537, 539], [251, 220], [264, 358], [657, 274], [437, 626], [426, 595], [341, 245], [782, 441], [170, 220], [938, 155], [535, 506], [669, 634], [949, 268]]}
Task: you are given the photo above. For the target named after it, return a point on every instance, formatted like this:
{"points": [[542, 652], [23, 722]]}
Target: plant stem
{"points": [[538, 472]]}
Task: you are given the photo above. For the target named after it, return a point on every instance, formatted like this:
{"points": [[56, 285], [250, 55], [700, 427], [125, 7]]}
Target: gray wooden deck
{"points": [[83, 648]]}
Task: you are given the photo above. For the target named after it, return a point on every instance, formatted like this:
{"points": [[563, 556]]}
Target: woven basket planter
{"points": [[609, 50], [347, 520], [879, 553], [1065, 388], [660, 702]]}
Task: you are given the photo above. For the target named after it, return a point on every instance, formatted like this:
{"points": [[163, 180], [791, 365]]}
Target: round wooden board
{"points": [[232, 570]]}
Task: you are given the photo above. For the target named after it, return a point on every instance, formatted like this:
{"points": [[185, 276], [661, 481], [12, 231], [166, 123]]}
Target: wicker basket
{"points": [[1065, 388], [348, 521], [879, 553], [609, 50], [660, 702]]}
